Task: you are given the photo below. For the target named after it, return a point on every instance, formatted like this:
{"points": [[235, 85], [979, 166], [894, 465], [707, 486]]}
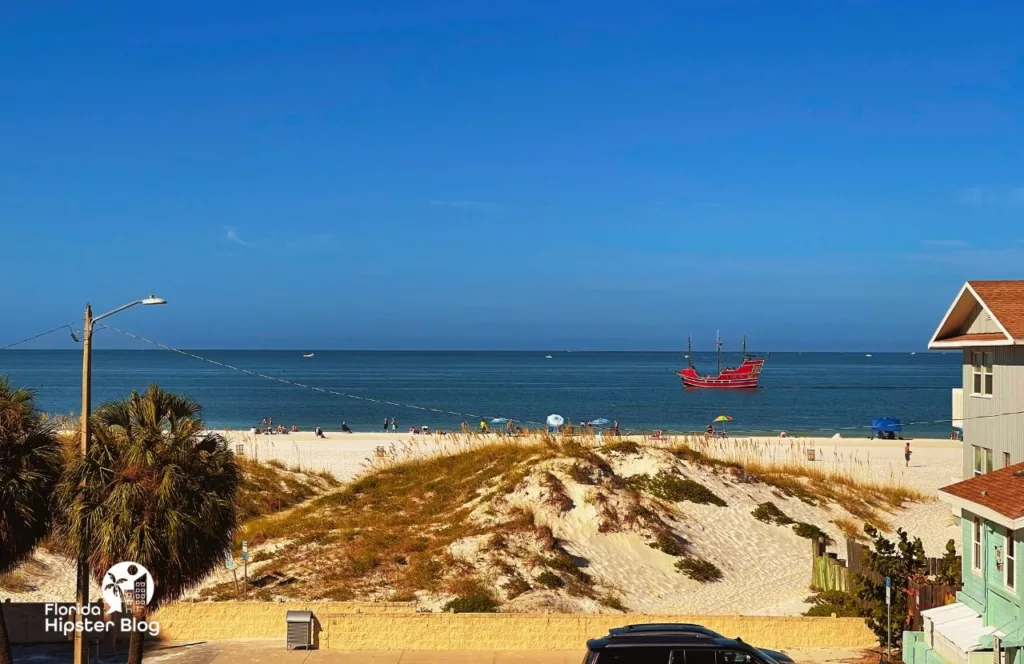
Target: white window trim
{"points": [[976, 545], [1009, 561], [985, 454], [978, 368]]}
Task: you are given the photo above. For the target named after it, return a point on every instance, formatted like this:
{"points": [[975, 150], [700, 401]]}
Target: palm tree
{"points": [[155, 489], [30, 466]]}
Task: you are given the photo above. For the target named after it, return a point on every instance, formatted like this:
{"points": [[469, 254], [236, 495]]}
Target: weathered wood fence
{"points": [[830, 572]]}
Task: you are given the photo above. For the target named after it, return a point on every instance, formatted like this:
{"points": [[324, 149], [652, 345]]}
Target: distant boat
{"points": [[547, 357], [913, 353], [307, 355], [867, 354]]}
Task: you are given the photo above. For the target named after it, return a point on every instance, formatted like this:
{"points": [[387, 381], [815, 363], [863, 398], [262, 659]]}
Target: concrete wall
{"points": [[999, 434], [396, 627]]}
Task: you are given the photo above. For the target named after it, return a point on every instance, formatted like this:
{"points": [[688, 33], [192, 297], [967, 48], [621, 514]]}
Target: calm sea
{"points": [[800, 393]]}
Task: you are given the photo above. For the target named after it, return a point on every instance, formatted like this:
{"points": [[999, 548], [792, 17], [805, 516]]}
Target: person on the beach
{"points": [[385, 425], [483, 426], [320, 433], [394, 426], [907, 453], [345, 428]]}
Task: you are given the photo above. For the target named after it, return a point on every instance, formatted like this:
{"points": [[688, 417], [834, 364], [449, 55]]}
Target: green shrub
{"points": [[668, 542], [677, 489], [769, 513], [622, 446], [550, 580], [843, 605], [478, 602], [810, 531], [699, 570]]}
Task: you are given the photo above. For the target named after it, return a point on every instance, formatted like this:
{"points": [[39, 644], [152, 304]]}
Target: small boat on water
{"points": [[745, 376], [307, 355], [547, 357], [867, 354]]}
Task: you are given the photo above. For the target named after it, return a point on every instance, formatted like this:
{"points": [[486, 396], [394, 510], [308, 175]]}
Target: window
{"points": [[982, 460], [634, 655], [981, 368], [976, 546], [1006, 460], [1009, 573]]}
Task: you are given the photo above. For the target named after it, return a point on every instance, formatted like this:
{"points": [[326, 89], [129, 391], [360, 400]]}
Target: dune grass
{"points": [[390, 530]]}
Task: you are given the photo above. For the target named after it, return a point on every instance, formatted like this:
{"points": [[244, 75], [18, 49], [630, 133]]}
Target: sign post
{"points": [[997, 646], [229, 562], [888, 620], [245, 566]]}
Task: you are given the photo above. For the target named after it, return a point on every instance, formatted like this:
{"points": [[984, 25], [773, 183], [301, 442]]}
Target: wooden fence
{"points": [[829, 572]]}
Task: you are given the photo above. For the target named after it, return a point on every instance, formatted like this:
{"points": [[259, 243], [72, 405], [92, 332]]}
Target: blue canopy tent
{"points": [[888, 428]]}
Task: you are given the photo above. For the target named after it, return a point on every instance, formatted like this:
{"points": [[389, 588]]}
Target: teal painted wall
{"points": [[987, 588]]}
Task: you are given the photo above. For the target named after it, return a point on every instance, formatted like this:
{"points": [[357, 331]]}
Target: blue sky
{"points": [[819, 175]]}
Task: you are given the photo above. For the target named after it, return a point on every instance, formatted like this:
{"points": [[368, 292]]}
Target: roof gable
{"points": [[1002, 305], [1005, 300]]}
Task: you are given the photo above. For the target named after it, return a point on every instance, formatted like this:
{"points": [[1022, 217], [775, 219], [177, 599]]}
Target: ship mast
{"points": [[744, 347], [689, 350], [718, 345]]}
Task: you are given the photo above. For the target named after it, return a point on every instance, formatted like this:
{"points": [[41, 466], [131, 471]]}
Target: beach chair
{"points": [[657, 435]]}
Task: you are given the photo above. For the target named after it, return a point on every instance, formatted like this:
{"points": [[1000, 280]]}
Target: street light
{"points": [[82, 590]]}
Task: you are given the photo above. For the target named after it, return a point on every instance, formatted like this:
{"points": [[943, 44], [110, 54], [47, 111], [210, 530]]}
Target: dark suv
{"points": [[671, 643]]}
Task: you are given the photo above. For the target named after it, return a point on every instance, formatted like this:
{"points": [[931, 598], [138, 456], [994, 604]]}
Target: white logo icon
{"points": [[127, 584]]}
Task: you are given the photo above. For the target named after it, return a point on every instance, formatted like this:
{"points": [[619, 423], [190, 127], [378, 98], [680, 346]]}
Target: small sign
{"points": [[245, 549], [888, 591], [229, 560], [888, 581], [997, 644], [245, 556]]}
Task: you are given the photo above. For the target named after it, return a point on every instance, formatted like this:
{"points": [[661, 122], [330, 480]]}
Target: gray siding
{"points": [[1000, 434], [979, 322]]}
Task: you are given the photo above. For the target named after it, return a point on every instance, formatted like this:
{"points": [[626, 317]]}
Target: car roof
{"points": [[666, 634]]}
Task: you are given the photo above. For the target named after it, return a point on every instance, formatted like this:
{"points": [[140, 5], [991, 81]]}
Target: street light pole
{"points": [[82, 585]]}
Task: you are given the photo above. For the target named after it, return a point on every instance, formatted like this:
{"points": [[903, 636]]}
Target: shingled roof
{"points": [[998, 496], [1002, 304]]}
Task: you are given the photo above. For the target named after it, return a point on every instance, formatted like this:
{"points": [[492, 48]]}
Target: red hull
{"points": [[744, 376]]}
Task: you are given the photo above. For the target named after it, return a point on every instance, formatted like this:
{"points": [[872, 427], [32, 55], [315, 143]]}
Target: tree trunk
{"points": [[5, 642], [137, 637]]}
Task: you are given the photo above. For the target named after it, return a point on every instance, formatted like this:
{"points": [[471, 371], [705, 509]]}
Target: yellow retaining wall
{"points": [[396, 626], [511, 631], [206, 621]]}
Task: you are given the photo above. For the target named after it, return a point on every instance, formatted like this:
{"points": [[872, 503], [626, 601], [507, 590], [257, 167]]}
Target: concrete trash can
{"points": [[300, 629]]}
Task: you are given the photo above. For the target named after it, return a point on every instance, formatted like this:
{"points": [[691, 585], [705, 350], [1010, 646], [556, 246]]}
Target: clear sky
{"points": [[818, 175]]}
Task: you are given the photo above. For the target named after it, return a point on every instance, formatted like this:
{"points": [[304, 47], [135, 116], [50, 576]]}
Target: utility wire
{"points": [[473, 415], [41, 334]]}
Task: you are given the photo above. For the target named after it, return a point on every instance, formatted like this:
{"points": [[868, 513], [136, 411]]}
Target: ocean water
{"points": [[810, 393]]}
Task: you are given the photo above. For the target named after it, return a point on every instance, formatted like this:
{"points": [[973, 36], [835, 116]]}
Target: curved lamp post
{"points": [[82, 589]]}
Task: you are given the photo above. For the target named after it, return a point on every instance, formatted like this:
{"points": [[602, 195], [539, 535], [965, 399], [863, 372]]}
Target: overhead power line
{"points": [[41, 334]]}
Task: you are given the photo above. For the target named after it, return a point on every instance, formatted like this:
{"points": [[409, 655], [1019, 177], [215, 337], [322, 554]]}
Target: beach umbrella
{"points": [[723, 418], [599, 422], [555, 420]]}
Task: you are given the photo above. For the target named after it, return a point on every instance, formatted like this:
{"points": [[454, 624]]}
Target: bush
{"points": [[613, 602], [478, 602], [580, 474], [622, 447], [769, 513], [699, 570], [668, 542], [516, 586], [677, 489], [550, 580], [843, 605], [811, 532]]}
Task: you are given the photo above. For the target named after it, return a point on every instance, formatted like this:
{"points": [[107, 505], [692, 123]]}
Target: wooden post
{"points": [[81, 646]]}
